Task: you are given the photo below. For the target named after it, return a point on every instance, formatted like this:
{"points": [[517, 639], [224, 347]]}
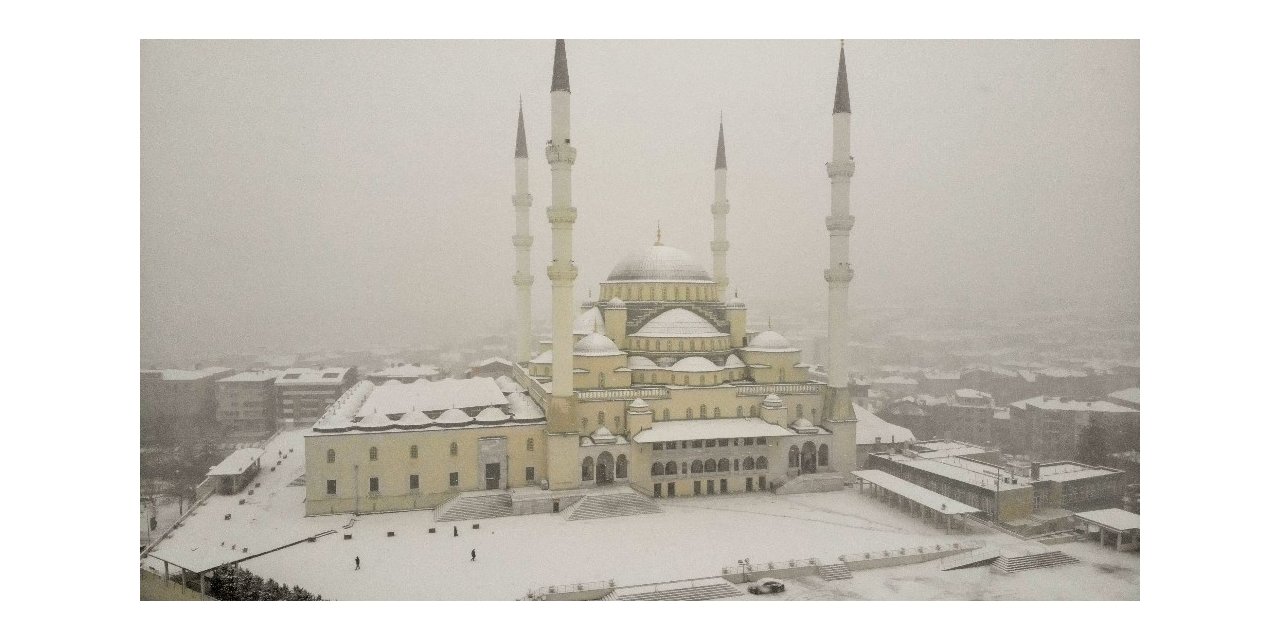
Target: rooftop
{"points": [[871, 426], [252, 376], [1050, 403], [1118, 519], [712, 429], [236, 463], [432, 396], [327, 376], [184, 374], [1125, 395], [407, 371]]}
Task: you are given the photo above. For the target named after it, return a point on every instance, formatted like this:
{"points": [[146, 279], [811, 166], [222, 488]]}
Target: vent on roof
{"points": [[292, 376], [330, 375]]}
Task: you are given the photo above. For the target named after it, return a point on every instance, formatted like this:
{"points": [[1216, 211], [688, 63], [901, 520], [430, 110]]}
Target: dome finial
{"points": [[658, 243]]}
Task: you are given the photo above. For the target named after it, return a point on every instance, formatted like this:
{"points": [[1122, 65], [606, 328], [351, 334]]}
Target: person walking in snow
{"points": [[357, 563], [473, 555]]}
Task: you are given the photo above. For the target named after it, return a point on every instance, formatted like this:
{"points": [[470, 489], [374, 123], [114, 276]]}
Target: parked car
{"points": [[761, 587]]}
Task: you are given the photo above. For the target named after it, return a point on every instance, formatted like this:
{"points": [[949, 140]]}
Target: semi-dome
{"points": [[734, 362], [414, 419], [695, 364], [375, 422], [659, 263], [616, 303], [595, 344], [491, 415], [678, 323], [453, 416], [640, 362], [769, 340], [588, 321], [772, 401]]}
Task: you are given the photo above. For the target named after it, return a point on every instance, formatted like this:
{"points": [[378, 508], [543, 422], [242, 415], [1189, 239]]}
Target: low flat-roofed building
{"points": [[247, 404], [236, 471], [490, 368]]}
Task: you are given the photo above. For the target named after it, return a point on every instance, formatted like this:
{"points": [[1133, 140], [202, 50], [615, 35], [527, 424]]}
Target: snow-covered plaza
{"points": [[692, 538]]}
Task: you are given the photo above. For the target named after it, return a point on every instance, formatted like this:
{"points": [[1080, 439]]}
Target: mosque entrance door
{"points": [[808, 458], [604, 469], [492, 475]]}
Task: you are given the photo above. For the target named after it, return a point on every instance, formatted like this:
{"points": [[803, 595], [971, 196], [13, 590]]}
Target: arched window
{"points": [[617, 422], [588, 468], [684, 468], [528, 444], [373, 454], [716, 413], [754, 411], [709, 466], [808, 458], [793, 457], [453, 448], [697, 466], [413, 451], [656, 469], [749, 464], [601, 380], [620, 468], [331, 457], [688, 413], [736, 465], [723, 465], [799, 411], [666, 414], [600, 418], [762, 463], [702, 378], [739, 411], [702, 411], [584, 421], [822, 456], [671, 468]]}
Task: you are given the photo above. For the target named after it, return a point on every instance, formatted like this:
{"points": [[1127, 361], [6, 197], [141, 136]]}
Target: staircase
{"points": [[1035, 561], [837, 571], [612, 505], [705, 591], [464, 507], [975, 558]]}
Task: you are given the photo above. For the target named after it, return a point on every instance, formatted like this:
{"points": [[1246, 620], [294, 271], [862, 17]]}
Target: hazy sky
{"points": [[331, 194]]}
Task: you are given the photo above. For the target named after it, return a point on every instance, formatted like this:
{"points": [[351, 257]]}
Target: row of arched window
{"points": [[664, 292], [700, 344], [331, 456], [808, 457], [710, 465], [606, 469]]}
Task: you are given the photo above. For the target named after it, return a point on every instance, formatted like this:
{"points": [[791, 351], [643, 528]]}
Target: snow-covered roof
{"points": [[1059, 372], [183, 374], [960, 469], [375, 422], [972, 394], [1124, 395], [914, 492], [298, 376], [492, 415], [802, 425], [407, 371], [659, 263], [596, 344], [588, 321], [640, 363], [716, 428], [236, 463], [769, 341], [252, 376], [941, 375], [542, 358], [432, 396], [735, 303], [1049, 403], [695, 364], [616, 303], [945, 448], [734, 362], [1066, 471], [871, 426], [1117, 519], [678, 323], [523, 408], [492, 360], [453, 417], [415, 419], [638, 404], [894, 380], [507, 385]]}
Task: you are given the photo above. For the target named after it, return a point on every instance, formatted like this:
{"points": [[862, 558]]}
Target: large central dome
{"points": [[659, 263]]}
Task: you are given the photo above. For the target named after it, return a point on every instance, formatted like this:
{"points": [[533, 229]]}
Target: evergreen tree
{"points": [[255, 589], [241, 587], [271, 590]]}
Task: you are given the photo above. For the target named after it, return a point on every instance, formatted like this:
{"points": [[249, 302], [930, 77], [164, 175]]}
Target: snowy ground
{"points": [[693, 538]]}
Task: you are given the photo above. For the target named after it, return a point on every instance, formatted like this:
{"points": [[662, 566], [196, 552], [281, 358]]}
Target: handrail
{"points": [[779, 387]]}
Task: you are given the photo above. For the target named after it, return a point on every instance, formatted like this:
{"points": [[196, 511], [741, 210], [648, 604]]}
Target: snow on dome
{"points": [[678, 322], [735, 303], [492, 415], [659, 263], [695, 364], [640, 362], [616, 303], [414, 419], [772, 401], [588, 321], [524, 409], [595, 344], [543, 358], [771, 340], [453, 417], [803, 425], [602, 436], [375, 422], [638, 403], [734, 362]]}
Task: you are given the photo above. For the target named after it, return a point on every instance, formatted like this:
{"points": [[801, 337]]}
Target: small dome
{"points": [[414, 419], [543, 358], [801, 423], [601, 433], [616, 303], [734, 362], [678, 323], [453, 417], [659, 263], [735, 303], [588, 321], [695, 364], [640, 362], [769, 340], [492, 415], [375, 422], [595, 344], [772, 401], [638, 403], [523, 408]]}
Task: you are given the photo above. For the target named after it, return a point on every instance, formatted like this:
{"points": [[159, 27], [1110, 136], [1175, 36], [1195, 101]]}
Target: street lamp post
{"points": [[744, 563]]}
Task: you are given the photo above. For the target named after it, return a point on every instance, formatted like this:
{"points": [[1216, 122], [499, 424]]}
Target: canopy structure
{"points": [[932, 507], [1117, 524]]}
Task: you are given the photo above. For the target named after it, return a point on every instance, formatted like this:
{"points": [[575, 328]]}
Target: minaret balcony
{"points": [[522, 280], [719, 245], [561, 154], [840, 168], [562, 272], [522, 242], [522, 200], [565, 215], [720, 208], [840, 274], [840, 224]]}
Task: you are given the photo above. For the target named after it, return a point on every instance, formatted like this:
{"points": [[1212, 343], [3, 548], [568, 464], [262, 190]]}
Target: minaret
{"points": [[838, 401], [523, 279], [560, 410], [719, 209]]}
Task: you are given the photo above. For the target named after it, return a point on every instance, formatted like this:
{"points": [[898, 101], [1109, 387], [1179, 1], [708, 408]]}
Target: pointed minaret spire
{"points": [[522, 150], [842, 86], [658, 242], [720, 160], [560, 74]]}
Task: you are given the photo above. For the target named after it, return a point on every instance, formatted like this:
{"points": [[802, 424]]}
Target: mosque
{"points": [[657, 385]]}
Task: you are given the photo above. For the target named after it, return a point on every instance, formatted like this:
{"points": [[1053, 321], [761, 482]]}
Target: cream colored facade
{"points": [[670, 392]]}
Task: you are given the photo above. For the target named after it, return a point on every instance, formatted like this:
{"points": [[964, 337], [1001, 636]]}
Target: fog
{"points": [[352, 194]]}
